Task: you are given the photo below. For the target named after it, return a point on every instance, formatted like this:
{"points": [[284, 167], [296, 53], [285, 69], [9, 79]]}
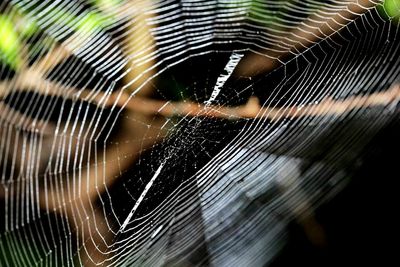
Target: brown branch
{"points": [[317, 26], [51, 59], [253, 109]]}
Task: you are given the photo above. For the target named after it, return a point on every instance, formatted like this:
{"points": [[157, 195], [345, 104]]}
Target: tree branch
{"points": [[253, 109], [317, 26]]}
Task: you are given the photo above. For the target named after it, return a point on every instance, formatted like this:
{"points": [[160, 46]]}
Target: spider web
{"points": [[184, 133]]}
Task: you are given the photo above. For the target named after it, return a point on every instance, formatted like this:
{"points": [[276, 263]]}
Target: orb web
{"points": [[183, 133]]}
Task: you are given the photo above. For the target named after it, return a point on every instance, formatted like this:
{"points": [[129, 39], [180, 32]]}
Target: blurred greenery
{"points": [[9, 43], [17, 26], [392, 8], [14, 28], [85, 24]]}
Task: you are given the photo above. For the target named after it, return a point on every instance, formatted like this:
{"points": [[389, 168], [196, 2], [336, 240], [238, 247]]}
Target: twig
{"points": [[51, 59], [317, 26], [253, 109]]}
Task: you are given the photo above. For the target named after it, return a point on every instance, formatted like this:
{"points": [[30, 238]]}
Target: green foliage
{"points": [[15, 28], [275, 15], [89, 23], [27, 27], [9, 43], [85, 24], [392, 7]]}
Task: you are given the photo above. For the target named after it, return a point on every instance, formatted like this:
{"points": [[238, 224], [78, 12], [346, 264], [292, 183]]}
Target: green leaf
{"points": [[392, 7], [9, 43], [89, 23]]}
